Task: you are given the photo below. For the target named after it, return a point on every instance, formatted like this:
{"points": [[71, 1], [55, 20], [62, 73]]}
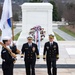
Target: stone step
{"points": [[72, 66]]}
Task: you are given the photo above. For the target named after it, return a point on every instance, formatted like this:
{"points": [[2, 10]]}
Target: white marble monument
{"points": [[34, 14]]}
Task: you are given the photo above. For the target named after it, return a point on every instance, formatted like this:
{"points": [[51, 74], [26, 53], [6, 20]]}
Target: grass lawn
{"points": [[58, 37], [16, 36], [67, 31]]}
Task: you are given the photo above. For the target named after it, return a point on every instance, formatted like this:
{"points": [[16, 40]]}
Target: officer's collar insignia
{"points": [[33, 49]]}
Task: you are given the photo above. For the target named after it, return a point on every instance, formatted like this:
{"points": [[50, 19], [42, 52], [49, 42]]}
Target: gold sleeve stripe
{"points": [[57, 56], [38, 56], [22, 54], [44, 56]]}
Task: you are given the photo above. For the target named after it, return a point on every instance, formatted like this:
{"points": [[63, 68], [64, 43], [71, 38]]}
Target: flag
{"points": [[5, 22]]}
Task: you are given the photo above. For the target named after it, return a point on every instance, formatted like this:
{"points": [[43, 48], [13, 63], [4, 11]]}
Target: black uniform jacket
{"points": [[30, 52], [6, 58], [51, 52]]}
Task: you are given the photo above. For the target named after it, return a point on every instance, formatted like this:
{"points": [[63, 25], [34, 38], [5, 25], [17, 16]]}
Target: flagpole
{"points": [[12, 29], [18, 51]]}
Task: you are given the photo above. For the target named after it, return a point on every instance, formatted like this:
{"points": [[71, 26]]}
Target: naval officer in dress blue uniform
{"points": [[30, 51], [51, 54]]}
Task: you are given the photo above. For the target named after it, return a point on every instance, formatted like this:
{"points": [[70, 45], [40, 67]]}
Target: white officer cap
{"points": [[29, 37], [51, 36], [6, 38]]}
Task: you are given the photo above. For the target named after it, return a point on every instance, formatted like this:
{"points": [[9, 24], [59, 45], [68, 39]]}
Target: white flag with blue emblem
{"points": [[5, 22]]}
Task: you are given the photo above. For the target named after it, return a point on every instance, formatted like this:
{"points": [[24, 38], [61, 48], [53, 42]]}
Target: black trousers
{"points": [[30, 67], [7, 69], [51, 63]]}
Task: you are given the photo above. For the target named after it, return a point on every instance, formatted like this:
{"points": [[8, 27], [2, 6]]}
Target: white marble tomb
{"points": [[34, 14]]}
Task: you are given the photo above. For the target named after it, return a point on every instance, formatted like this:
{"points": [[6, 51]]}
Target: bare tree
{"points": [[69, 13]]}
